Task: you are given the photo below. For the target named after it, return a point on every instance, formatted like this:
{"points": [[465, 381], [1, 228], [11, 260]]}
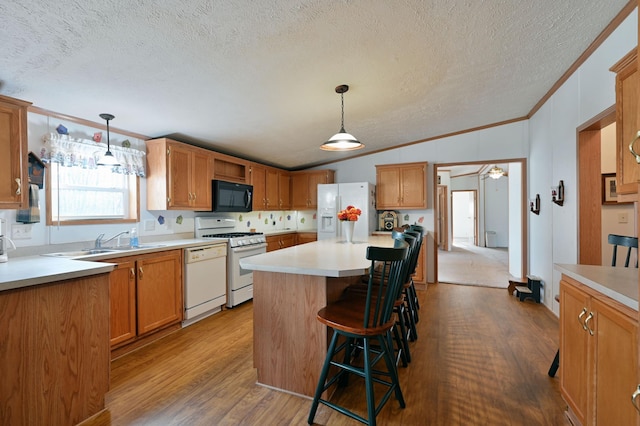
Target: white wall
{"points": [[589, 91]]}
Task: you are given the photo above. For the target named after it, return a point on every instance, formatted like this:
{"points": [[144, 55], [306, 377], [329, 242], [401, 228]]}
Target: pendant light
{"points": [[342, 141], [108, 159]]}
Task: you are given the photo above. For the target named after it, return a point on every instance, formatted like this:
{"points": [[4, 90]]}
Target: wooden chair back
{"points": [[623, 241], [390, 262]]}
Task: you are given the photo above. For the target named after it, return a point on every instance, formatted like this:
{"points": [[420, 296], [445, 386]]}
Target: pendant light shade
{"points": [[342, 141], [108, 159]]}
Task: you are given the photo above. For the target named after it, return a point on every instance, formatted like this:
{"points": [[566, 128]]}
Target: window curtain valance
{"points": [[85, 153]]}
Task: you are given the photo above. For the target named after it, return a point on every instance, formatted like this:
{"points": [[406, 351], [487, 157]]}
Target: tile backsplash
{"points": [[266, 221]]}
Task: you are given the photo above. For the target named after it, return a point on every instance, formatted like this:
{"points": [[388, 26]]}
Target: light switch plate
{"points": [[149, 225]]}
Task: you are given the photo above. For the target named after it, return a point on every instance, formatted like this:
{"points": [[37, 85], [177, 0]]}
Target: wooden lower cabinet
{"points": [[598, 356], [123, 302], [146, 295], [277, 242], [306, 237]]}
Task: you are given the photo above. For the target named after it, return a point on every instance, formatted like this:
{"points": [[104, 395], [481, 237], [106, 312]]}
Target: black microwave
{"points": [[231, 197]]}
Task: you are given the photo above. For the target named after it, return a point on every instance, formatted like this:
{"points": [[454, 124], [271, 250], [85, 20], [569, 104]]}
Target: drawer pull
{"points": [[632, 150], [19, 187], [634, 396], [584, 311]]}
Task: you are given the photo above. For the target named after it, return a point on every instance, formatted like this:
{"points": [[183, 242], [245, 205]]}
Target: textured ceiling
{"points": [[257, 78]]}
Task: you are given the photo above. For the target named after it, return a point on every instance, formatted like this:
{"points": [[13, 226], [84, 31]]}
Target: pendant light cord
{"points": [[342, 122]]}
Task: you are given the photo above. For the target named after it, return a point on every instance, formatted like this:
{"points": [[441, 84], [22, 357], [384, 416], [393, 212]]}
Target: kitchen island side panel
{"points": [[290, 344]]}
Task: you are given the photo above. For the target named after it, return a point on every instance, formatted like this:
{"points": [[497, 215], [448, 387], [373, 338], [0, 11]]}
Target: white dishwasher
{"points": [[205, 281]]}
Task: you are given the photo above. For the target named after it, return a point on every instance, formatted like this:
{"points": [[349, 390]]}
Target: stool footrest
{"points": [[523, 289]]}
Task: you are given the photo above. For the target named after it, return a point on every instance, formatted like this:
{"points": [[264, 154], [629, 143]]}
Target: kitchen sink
{"points": [[78, 253], [89, 252]]}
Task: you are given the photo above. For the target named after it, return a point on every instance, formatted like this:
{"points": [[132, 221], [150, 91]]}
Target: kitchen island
{"points": [[290, 286]]}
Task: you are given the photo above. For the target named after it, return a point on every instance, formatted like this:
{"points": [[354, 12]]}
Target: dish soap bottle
{"points": [[133, 238]]}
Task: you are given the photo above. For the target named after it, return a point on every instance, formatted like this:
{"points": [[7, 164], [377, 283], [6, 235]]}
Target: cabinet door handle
{"points": [[140, 272], [132, 273], [584, 311], [635, 154], [19, 188], [633, 398], [586, 323]]}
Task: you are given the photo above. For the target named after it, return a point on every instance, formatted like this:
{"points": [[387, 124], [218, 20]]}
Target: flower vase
{"points": [[347, 227]]}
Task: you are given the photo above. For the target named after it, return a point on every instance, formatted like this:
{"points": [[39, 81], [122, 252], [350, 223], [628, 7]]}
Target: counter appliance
{"points": [[335, 197], [5, 242]]}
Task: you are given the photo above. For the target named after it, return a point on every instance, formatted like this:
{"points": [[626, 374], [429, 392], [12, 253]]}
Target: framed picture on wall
{"points": [[609, 194]]}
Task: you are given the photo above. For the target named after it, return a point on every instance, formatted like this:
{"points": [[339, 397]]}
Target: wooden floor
{"points": [[481, 359]]}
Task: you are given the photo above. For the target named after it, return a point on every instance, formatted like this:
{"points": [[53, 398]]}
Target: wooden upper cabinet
{"points": [[179, 176], [259, 182], [401, 186], [284, 190], [627, 126], [13, 153], [304, 187], [270, 188], [231, 169]]}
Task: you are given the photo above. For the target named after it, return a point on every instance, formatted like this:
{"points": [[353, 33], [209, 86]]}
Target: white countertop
{"points": [[26, 271], [620, 284], [33, 270], [327, 258]]}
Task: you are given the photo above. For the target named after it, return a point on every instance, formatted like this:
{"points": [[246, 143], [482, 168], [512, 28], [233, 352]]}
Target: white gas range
{"points": [[240, 244]]}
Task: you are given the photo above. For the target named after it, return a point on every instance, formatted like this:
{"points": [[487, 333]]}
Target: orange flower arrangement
{"points": [[350, 213]]}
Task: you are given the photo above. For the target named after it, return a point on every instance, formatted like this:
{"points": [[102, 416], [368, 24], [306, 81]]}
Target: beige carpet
{"points": [[472, 265]]}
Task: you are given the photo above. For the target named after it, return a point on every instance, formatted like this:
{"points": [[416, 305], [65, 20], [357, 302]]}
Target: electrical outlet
{"points": [[21, 232], [623, 218]]}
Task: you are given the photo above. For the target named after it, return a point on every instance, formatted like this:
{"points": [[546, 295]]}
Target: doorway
{"points": [[474, 208]]}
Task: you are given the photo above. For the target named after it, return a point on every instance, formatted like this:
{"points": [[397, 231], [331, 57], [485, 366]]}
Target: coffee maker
{"points": [[4, 242]]}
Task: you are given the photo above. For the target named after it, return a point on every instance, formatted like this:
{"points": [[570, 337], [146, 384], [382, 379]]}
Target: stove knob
{"points": [[252, 240], [241, 242]]}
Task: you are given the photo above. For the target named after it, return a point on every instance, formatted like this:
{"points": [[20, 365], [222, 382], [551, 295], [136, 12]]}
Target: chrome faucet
{"points": [[100, 240]]}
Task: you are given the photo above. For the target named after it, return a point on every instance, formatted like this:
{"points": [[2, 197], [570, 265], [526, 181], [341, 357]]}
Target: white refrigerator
{"points": [[334, 197]]}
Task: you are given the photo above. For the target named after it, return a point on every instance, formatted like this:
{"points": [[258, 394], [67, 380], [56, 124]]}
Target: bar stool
{"points": [[369, 322], [409, 287], [402, 331]]}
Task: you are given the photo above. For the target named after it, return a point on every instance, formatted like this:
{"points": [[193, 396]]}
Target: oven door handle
{"points": [[252, 247]]}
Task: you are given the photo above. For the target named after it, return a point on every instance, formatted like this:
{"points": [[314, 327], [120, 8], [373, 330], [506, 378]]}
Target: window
{"points": [[79, 194]]}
